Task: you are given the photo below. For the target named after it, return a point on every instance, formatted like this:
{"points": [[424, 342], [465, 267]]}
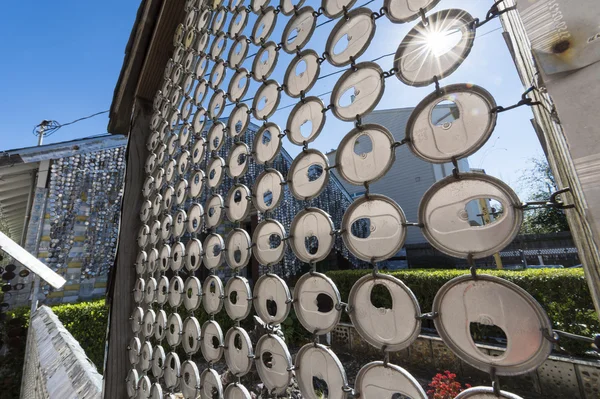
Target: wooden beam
{"points": [[122, 275]]}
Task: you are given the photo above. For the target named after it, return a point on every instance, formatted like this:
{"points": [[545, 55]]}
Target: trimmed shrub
{"points": [[563, 293]]}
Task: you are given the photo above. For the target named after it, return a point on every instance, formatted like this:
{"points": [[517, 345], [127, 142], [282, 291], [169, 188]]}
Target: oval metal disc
{"points": [[401, 11], [216, 50], [456, 129], [273, 363], [258, 5], [212, 342], [420, 61], [143, 236], [445, 216], [237, 161], [199, 120], [302, 73], [494, 301], [216, 136], [238, 52], [190, 381], [156, 391], [264, 25], [289, 6], [318, 361], [268, 190], [308, 175], [377, 380], [172, 370], [179, 224], [216, 106], [272, 299], [148, 187], [193, 293], [198, 151], [176, 291], [193, 254], [159, 176], [485, 393], [238, 354], [374, 228], [213, 294], [267, 143], [239, 248], [238, 85], [144, 387], [177, 256], [140, 263], [318, 303], [269, 239], [237, 391], [195, 218], [365, 154], [299, 29], [138, 290], [312, 235], [238, 21], [335, 9], [150, 291], [393, 329], [162, 292], [266, 100], [214, 248], [134, 349], [196, 184], [191, 335], [158, 361], [174, 329], [217, 75], [306, 121], [215, 172], [238, 298], [237, 204], [233, 4], [238, 121], [167, 197], [146, 356], [150, 163], [155, 232], [265, 61], [183, 163], [365, 83], [165, 226], [149, 322], [200, 92], [350, 37], [218, 21], [211, 384], [214, 211], [132, 381]]}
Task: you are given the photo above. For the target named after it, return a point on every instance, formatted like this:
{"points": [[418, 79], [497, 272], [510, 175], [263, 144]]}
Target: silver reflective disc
{"points": [[150, 290], [213, 251], [216, 136], [216, 49], [237, 161], [377, 380], [365, 154], [193, 254], [201, 45], [427, 52], [318, 361], [192, 293], [257, 6], [167, 198], [485, 393], [275, 371], [158, 361], [172, 370], [238, 22], [233, 4], [267, 143], [335, 8], [198, 151], [212, 342], [162, 292], [164, 258], [181, 192], [219, 17], [196, 184], [302, 73], [453, 123], [239, 248], [216, 105], [238, 298], [190, 381], [272, 299], [238, 354], [358, 91], [265, 61], [394, 328], [174, 329], [350, 37], [195, 217], [299, 29], [308, 175], [175, 291], [238, 52], [179, 223], [265, 23], [312, 235], [214, 172], [289, 6], [449, 209], [214, 211], [210, 381], [238, 85], [306, 121], [199, 120], [131, 381], [143, 235], [150, 163], [152, 263], [266, 100], [155, 232], [217, 75], [492, 301], [156, 391], [238, 120], [146, 356], [268, 190], [191, 335], [213, 294], [140, 262], [269, 239], [200, 92], [318, 303], [138, 290], [149, 322], [177, 256], [134, 348], [237, 391], [237, 204], [374, 228]]}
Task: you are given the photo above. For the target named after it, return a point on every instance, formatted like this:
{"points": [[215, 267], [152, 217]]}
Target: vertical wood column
{"points": [[122, 275]]}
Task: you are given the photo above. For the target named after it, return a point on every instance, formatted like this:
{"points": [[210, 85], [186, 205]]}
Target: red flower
{"points": [[444, 386]]}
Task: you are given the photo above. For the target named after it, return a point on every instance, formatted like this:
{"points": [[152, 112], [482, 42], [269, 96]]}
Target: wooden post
{"points": [[116, 363]]}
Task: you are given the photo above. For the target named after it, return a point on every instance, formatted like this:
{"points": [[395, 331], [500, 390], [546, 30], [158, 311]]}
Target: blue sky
{"points": [[64, 64]]}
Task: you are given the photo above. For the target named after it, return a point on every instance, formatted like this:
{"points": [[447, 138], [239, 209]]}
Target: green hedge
{"points": [[563, 293]]}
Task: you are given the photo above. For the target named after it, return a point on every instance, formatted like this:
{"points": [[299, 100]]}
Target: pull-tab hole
{"points": [[238, 49], [215, 342], [160, 361], [237, 197], [164, 290], [216, 250], [341, 45], [487, 331], [274, 241], [191, 342], [324, 303], [242, 83], [381, 298], [176, 285], [268, 197], [301, 67], [190, 292], [193, 260], [314, 172], [271, 307], [266, 137], [237, 255], [262, 103], [160, 332], [196, 153], [213, 287], [445, 113], [264, 58], [363, 145], [195, 223], [176, 256], [241, 159], [196, 179], [214, 393], [238, 19], [267, 359], [320, 388], [348, 97], [237, 342], [212, 174], [260, 30], [306, 128], [312, 244], [361, 228], [216, 142], [238, 126], [482, 212], [211, 212], [172, 328], [233, 297], [398, 395], [293, 35]]}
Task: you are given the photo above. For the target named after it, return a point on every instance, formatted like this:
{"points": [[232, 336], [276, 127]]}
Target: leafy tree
{"points": [[539, 179]]}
